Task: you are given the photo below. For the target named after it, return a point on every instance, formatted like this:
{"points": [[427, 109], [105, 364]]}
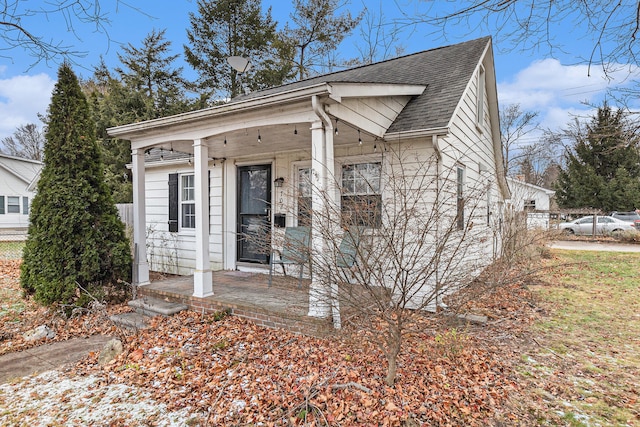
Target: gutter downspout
{"points": [[327, 160]]}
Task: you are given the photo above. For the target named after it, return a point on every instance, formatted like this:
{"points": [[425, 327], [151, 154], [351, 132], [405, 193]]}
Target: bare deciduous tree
{"points": [[515, 124], [416, 232], [609, 27], [380, 39], [318, 30], [27, 142], [21, 22]]}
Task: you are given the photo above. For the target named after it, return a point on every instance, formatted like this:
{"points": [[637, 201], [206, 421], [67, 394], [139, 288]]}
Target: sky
{"points": [[559, 87]]}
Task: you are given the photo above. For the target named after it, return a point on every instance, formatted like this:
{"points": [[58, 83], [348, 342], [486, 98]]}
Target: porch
{"points": [[247, 295]]}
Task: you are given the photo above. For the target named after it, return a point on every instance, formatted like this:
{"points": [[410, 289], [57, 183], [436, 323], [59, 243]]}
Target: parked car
{"points": [[605, 225], [632, 217]]}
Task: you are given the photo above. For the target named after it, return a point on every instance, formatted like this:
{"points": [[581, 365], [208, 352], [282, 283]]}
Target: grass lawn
{"points": [[11, 249], [585, 363]]}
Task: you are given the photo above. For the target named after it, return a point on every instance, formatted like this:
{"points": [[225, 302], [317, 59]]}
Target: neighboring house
{"points": [[190, 210], [18, 178], [533, 200]]}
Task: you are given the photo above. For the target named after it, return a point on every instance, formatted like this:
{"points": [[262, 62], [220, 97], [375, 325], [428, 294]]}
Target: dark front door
{"points": [[254, 213]]}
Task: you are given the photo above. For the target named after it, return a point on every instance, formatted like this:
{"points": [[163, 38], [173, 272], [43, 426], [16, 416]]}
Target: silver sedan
{"points": [[605, 225]]}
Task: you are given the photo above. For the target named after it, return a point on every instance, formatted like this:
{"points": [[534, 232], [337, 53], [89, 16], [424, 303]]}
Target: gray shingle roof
{"points": [[445, 71]]}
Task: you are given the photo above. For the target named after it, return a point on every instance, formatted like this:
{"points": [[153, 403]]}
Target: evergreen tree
{"points": [[76, 238], [603, 167], [148, 71], [147, 86], [317, 32], [226, 28]]}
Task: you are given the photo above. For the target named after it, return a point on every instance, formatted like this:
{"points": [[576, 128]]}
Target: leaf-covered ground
{"points": [[201, 370]]}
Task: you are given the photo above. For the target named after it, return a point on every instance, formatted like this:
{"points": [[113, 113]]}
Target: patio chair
{"points": [[348, 249], [295, 251]]}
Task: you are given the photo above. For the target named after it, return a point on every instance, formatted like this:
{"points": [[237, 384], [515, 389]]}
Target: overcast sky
{"points": [[556, 87]]}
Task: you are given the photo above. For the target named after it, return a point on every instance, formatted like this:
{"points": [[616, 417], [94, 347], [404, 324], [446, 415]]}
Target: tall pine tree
{"points": [[227, 28], [76, 238], [603, 168]]}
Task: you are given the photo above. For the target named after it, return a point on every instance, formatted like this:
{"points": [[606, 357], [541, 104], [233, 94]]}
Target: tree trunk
{"points": [[392, 359]]}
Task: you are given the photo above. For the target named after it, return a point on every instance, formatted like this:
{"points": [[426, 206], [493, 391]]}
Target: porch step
{"points": [[154, 306], [133, 321]]}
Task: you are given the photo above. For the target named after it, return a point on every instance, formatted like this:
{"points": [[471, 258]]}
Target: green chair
{"points": [[295, 251], [348, 250]]}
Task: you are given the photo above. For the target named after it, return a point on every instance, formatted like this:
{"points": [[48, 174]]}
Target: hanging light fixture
{"points": [[359, 139], [190, 158], [225, 141], [336, 130], [161, 153], [259, 138], [295, 129]]}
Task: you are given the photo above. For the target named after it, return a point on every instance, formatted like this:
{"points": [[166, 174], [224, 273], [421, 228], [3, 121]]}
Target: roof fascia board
{"points": [[125, 131], [13, 172], [370, 90], [419, 133], [516, 181], [293, 112]]}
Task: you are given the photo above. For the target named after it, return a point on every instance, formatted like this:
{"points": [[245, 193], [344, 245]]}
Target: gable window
{"points": [[530, 205], [361, 194], [13, 204], [480, 98], [460, 198], [304, 196], [187, 201]]}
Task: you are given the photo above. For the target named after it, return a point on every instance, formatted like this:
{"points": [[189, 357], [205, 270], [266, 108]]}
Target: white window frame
{"points": [[11, 207], [187, 200], [296, 179], [362, 161]]}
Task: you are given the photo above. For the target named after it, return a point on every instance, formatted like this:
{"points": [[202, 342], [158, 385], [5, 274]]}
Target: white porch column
{"points": [[319, 291], [141, 266], [202, 277]]}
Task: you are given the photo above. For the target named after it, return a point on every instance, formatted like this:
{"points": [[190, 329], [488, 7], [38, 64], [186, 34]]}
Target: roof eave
{"points": [[293, 95], [416, 133]]}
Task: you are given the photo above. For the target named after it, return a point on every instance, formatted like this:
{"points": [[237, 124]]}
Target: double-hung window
{"points": [[13, 204], [361, 194], [187, 201], [304, 196]]}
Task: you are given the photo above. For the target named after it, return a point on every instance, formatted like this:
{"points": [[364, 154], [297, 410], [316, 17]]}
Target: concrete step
{"points": [[132, 320], [154, 306]]}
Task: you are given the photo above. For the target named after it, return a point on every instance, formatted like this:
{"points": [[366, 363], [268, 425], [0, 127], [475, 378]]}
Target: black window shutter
{"points": [[173, 202]]}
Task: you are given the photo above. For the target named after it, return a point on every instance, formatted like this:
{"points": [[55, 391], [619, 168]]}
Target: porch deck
{"points": [[246, 294]]}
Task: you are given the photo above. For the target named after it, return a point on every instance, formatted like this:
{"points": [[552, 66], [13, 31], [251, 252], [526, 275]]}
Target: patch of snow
{"points": [[49, 397]]}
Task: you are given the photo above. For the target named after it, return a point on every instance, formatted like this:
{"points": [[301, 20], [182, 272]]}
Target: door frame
{"points": [[268, 166]]}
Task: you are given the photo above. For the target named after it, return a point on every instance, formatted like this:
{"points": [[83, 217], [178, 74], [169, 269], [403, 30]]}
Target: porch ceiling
{"points": [[273, 138]]}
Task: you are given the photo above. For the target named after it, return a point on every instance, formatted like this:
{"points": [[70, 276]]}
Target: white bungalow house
{"points": [[18, 179], [192, 208], [533, 200]]}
